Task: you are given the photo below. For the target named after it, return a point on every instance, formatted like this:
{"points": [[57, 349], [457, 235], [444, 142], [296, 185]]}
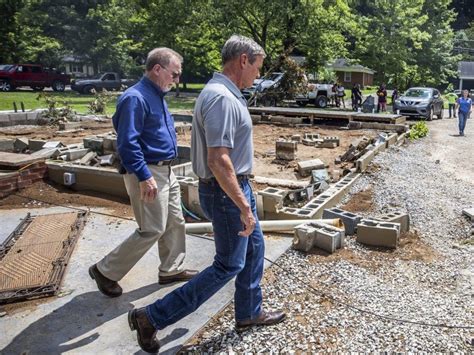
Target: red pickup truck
{"points": [[32, 75]]}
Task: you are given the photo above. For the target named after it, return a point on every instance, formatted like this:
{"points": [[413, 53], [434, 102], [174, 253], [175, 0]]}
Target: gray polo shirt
{"points": [[221, 119]]}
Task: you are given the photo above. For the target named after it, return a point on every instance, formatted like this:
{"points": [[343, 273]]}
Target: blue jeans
{"points": [[235, 256], [463, 116]]}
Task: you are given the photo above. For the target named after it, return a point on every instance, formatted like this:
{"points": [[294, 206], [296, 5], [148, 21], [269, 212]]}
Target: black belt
{"points": [[162, 162], [213, 179]]}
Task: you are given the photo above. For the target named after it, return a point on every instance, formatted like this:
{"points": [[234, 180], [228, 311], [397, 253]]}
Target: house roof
{"points": [[342, 64], [466, 70]]}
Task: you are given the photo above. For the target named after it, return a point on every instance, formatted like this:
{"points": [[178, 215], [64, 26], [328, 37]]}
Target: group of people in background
{"points": [[461, 105]]}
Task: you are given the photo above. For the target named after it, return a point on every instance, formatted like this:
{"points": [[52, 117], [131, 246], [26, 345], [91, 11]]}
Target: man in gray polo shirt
{"points": [[222, 154]]}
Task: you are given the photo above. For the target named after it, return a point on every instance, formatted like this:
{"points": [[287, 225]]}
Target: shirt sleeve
{"points": [[129, 121], [220, 122]]}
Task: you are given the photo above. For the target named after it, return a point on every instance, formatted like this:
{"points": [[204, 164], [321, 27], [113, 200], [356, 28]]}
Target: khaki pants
{"points": [[160, 221]]}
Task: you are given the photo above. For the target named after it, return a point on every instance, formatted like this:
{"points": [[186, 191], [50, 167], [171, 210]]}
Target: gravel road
{"points": [[416, 298]]}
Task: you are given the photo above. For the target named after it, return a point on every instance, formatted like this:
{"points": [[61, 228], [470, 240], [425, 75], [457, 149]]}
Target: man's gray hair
{"points": [[161, 56], [237, 45]]}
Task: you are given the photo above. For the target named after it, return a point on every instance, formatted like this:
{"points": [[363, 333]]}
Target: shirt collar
{"points": [[152, 85], [229, 84]]}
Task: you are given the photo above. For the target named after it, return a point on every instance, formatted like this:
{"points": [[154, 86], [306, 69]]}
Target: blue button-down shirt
{"points": [[145, 128]]}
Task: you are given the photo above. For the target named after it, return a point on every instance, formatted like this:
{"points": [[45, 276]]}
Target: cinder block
{"points": [[350, 220], [377, 233], [286, 150], [305, 167], [325, 144], [52, 144], [469, 212], [18, 118], [260, 210], [36, 144], [392, 139], [109, 144], [6, 145], [363, 162], [333, 139], [85, 160], [272, 199], [397, 217], [296, 138], [94, 143], [296, 213], [4, 120], [74, 154], [304, 237], [318, 235], [44, 153], [65, 126], [327, 239]]}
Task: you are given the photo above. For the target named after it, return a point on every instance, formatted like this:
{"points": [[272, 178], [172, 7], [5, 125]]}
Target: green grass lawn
{"points": [[78, 102]]}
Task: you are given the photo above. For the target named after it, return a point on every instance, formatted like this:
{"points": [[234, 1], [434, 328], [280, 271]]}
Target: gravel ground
{"points": [[354, 300]]}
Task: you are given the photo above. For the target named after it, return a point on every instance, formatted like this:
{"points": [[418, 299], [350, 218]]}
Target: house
{"points": [[78, 67], [349, 74], [466, 75]]}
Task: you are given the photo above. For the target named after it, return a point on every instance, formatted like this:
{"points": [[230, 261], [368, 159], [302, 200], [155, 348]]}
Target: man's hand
{"points": [[248, 221], [148, 190]]}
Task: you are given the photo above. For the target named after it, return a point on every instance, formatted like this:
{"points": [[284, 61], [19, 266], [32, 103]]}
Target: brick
{"points": [[23, 184], [376, 233]]}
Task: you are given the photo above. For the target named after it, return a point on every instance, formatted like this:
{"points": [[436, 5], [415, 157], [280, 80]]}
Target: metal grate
{"points": [[33, 258]]}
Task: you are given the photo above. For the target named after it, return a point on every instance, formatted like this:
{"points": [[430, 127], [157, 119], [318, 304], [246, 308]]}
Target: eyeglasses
{"points": [[174, 75]]}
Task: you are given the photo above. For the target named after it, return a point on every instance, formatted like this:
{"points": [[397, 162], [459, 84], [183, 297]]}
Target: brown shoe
{"points": [[185, 275], [107, 286], [265, 318], [146, 332]]}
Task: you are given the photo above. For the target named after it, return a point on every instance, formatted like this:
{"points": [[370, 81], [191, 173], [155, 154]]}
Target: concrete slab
{"points": [[17, 160], [84, 321]]}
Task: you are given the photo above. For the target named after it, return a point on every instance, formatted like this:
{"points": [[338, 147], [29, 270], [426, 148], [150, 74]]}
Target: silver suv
{"points": [[420, 102]]}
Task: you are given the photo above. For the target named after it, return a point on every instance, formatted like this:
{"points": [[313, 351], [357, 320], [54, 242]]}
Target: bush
{"points": [[55, 113], [419, 130], [99, 104]]}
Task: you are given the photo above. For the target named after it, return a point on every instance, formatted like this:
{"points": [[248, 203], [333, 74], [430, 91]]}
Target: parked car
{"points": [[420, 102], [32, 75], [109, 81], [262, 84], [318, 95]]}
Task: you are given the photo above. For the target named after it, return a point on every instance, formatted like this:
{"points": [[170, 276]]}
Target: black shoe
{"points": [[146, 332], [106, 286], [265, 318]]}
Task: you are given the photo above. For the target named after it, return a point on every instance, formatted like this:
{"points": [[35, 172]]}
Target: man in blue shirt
{"points": [[146, 143], [222, 154], [464, 105]]}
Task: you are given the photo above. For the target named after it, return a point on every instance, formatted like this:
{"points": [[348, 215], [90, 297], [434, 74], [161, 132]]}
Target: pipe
{"points": [[267, 226]]}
